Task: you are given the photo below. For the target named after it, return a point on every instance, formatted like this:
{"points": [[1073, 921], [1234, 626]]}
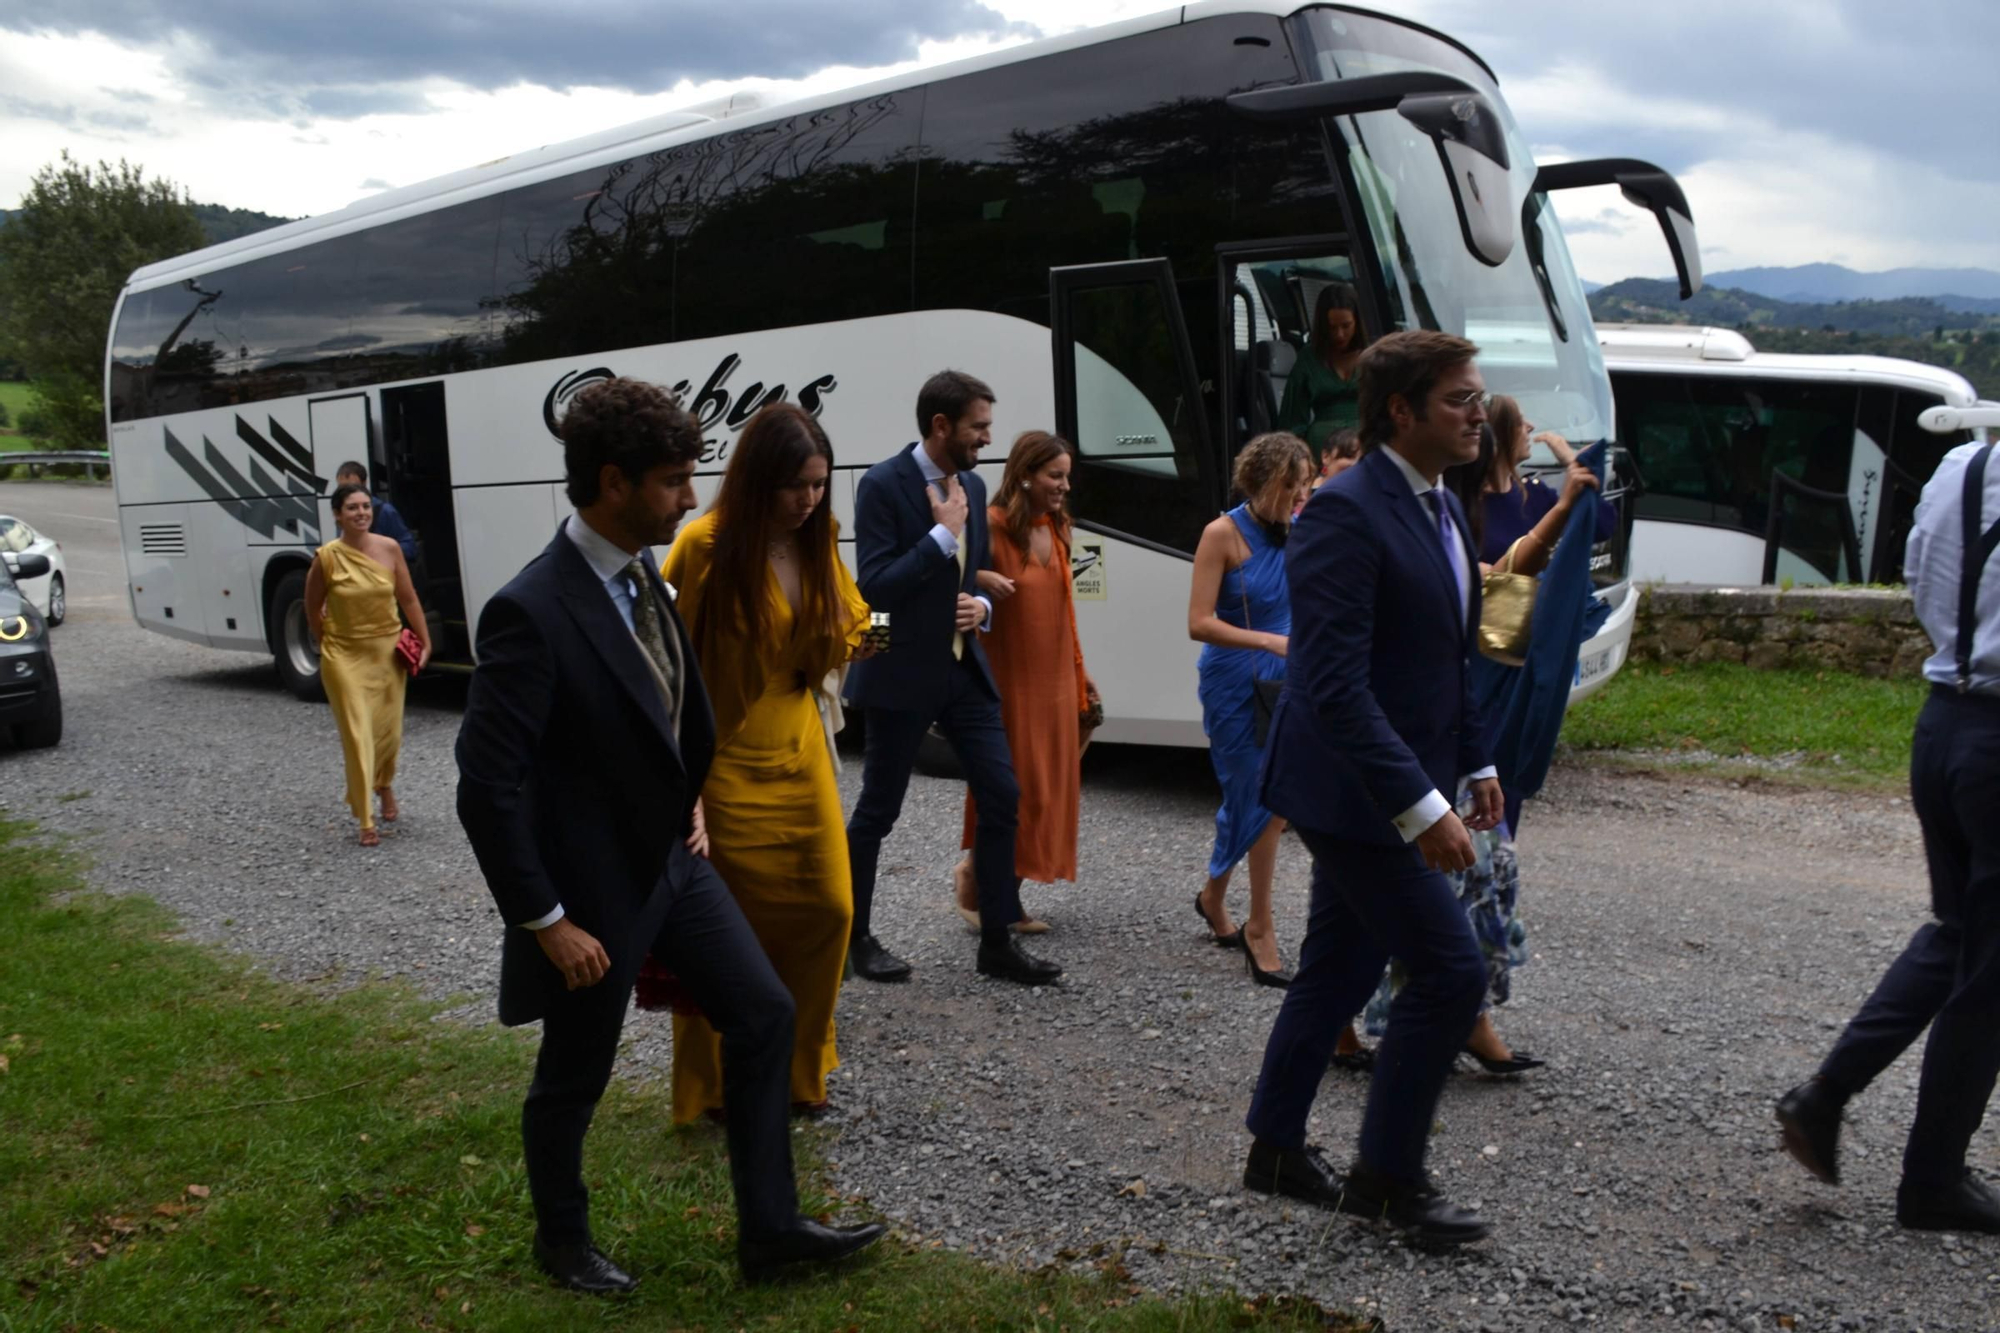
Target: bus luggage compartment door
{"points": [[166, 583]]}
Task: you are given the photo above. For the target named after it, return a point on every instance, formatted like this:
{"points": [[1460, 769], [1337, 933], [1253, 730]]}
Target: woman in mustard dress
{"points": [[357, 582], [1045, 695], [772, 611]]}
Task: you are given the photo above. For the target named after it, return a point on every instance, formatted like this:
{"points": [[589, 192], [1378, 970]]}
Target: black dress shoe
{"points": [[1809, 1115], [1296, 1173], [872, 962], [1006, 959], [1416, 1209], [1970, 1205], [806, 1242], [1520, 1062], [581, 1266]]}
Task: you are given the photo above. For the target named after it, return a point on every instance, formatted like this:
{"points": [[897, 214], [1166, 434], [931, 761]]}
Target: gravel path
{"points": [[1696, 946]]}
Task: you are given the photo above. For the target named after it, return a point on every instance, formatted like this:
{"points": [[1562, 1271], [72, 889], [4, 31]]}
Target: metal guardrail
{"points": [[92, 459]]}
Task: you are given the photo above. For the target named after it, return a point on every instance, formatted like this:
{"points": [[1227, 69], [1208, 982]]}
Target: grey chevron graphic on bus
{"points": [[716, 405]]}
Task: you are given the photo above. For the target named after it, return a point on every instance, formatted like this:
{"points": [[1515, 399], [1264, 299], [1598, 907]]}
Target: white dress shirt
{"points": [[942, 535], [1412, 823], [1934, 561]]}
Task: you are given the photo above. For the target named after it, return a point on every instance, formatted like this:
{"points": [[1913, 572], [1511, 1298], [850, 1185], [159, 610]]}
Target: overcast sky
{"points": [[1859, 132]]}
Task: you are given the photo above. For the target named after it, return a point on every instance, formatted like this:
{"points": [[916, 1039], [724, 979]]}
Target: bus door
{"points": [[1146, 480], [1269, 295], [417, 470]]}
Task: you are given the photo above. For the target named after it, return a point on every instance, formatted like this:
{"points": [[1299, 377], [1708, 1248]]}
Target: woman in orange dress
{"points": [[772, 610], [1047, 700]]}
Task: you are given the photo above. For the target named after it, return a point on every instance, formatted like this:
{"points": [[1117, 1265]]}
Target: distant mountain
{"points": [[1655, 300], [226, 224], [219, 223], [1975, 289]]}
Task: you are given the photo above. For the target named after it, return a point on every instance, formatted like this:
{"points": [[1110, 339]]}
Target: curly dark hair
{"points": [[626, 423]]}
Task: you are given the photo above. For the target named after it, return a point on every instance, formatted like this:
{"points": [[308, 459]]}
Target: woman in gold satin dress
{"points": [[772, 612], [357, 582]]}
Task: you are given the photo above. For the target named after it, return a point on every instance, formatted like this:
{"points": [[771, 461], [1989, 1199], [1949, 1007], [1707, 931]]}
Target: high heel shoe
{"points": [[1520, 1062], [1279, 976], [1233, 940]]}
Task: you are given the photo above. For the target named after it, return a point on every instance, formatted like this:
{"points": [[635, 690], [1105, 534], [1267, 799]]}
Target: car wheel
{"points": [[294, 651], [58, 600], [44, 731]]}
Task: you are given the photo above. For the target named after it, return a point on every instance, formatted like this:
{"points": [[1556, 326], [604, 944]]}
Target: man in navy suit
{"points": [[586, 739], [1375, 731], [919, 544]]}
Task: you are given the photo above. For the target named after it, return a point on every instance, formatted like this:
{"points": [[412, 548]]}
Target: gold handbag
{"points": [[1506, 611]]}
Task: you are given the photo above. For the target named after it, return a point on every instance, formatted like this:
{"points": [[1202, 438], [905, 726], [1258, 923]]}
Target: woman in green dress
{"points": [[1321, 394]]}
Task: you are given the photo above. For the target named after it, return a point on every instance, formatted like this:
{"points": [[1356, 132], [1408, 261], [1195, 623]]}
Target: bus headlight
{"points": [[13, 629]]}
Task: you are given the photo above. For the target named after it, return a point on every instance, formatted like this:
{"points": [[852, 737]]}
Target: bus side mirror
{"points": [[1472, 149], [1650, 188], [1471, 144]]}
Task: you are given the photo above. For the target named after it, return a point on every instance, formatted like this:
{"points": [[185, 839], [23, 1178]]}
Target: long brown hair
{"points": [[1033, 450], [768, 456]]}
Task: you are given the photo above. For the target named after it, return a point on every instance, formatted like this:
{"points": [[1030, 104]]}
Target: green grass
{"points": [[185, 1143], [14, 396], [1851, 730]]}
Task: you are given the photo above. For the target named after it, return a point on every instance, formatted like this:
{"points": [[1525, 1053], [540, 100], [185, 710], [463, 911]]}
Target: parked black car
{"points": [[30, 696]]}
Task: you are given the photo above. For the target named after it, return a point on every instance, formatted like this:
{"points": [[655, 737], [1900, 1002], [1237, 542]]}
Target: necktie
{"points": [[649, 627], [1454, 554], [957, 638]]}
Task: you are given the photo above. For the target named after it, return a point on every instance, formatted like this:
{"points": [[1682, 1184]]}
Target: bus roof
{"points": [[1670, 349], [668, 129]]}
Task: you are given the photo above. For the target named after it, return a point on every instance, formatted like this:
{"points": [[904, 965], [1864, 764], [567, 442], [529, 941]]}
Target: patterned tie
{"points": [[957, 638], [1454, 554], [651, 631]]}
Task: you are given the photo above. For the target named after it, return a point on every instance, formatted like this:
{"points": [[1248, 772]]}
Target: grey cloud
{"points": [[1911, 79], [374, 183], [130, 121], [347, 60]]}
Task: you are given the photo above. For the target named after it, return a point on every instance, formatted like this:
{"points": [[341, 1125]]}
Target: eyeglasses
{"points": [[1466, 398]]}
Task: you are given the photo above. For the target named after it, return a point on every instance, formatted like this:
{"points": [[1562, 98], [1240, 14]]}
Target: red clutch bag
{"points": [[410, 648]]}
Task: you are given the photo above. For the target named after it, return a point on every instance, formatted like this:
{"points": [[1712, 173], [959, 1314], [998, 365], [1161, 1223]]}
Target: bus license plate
{"points": [[1591, 667]]}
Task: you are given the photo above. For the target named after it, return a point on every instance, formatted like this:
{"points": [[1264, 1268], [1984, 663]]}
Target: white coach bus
{"points": [[1122, 230], [1762, 467]]}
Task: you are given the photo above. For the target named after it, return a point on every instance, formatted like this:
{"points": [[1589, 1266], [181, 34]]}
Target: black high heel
{"points": [[1277, 976], [1233, 940]]}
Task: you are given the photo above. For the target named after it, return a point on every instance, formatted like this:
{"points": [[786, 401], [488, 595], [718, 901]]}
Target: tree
{"points": [[64, 256]]}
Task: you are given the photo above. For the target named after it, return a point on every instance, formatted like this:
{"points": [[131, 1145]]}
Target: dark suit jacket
{"points": [[572, 787], [902, 571], [1377, 708]]}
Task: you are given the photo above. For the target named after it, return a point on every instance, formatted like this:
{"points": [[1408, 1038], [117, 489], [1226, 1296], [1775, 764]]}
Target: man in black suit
{"points": [[1374, 734], [919, 544], [586, 739]]}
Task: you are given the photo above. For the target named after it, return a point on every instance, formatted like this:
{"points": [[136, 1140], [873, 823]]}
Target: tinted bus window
{"points": [[421, 288], [803, 221]]}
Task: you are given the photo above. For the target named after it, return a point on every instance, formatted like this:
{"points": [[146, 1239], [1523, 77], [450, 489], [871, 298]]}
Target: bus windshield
{"points": [[1535, 339]]}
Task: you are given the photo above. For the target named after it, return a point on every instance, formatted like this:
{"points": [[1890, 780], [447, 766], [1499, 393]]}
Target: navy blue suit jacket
{"points": [[1377, 709], [572, 784], [902, 571]]}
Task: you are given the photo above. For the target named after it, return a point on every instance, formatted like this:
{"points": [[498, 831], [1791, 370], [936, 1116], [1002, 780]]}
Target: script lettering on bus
{"points": [[720, 410]]}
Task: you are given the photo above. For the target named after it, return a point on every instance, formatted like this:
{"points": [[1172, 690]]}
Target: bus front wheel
{"points": [[292, 648]]}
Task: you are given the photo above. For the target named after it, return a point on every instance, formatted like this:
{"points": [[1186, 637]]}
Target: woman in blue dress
{"points": [[1240, 609]]}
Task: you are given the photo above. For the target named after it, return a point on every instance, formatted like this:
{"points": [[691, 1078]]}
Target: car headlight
{"points": [[13, 629]]}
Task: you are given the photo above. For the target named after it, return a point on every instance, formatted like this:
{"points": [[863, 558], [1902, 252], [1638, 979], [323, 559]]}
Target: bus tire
{"points": [[292, 648]]}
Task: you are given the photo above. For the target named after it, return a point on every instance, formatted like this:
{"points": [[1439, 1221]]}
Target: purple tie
{"points": [[1448, 539]]}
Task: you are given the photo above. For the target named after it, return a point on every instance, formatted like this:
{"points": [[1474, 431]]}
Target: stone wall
{"points": [[1866, 631]]}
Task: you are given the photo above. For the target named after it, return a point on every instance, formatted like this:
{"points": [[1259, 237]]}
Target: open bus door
{"points": [[417, 442]]}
